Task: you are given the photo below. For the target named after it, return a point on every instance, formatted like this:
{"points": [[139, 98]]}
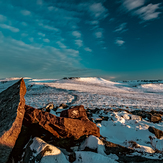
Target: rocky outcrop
{"points": [[60, 127], [77, 112], [158, 133], [12, 110], [39, 151]]}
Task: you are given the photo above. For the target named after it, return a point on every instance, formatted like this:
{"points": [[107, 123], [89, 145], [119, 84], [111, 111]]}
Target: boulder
{"points": [[76, 112], [60, 127], [158, 133], [38, 150], [64, 106], [156, 118], [94, 144], [48, 107], [12, 111]]}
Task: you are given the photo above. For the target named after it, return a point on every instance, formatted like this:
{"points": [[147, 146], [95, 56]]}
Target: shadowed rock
{"points": [[12, 110], [76, 112], [60, 127], [158, 133], [39, 151]]}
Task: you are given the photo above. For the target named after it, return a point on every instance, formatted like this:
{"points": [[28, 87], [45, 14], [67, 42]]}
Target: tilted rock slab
{"points": [[12, 111], [38, 150], [60, 127]]}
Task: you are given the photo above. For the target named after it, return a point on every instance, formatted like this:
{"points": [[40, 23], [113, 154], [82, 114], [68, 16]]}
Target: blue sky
{"points": [[117, 40]]}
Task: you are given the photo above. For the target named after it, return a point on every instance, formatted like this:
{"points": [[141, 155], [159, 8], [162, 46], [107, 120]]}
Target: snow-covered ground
{"points": [[121, 128]]}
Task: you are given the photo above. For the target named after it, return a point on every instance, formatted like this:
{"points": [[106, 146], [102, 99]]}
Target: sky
{"points": [[116, 40]]}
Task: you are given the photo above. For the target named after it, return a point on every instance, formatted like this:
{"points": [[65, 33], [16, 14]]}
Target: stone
{"points": [[76, 112], [156, 118], [64, 106], [38, 150], [158, 133], [94, 144], [12, 111], [60, 127], [98, 120]]}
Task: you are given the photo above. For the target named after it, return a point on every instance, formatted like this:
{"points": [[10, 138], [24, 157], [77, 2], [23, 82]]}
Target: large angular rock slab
{"points": [[60, 127], [158, 133], [12, 111], [76, 112], [38, 150]]}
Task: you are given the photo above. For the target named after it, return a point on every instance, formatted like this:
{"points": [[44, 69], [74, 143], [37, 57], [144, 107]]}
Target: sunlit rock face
{"points": [[12, 111], [60, 127]]}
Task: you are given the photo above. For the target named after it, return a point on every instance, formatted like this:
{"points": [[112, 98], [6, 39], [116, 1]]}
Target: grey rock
{"points": [[12, 111]]}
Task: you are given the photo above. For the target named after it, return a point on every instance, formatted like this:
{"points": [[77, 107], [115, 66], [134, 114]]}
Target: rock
{"points": [[60, 127], [98, 120], [48, 107], [76, 112], [104, 118], [94, 144], [64, 106], [115, 148], [12, 110], [96, 110], [135, 117], [158, 133], [38, 150], [156, 118]]}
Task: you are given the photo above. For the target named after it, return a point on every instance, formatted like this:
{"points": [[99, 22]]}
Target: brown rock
{"points": [[76, 112], [158, 133], [156, 118], [60, 127], [12, 110]]}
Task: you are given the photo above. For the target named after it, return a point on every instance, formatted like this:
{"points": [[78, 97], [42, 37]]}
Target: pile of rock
{"points": [[20, 122]]}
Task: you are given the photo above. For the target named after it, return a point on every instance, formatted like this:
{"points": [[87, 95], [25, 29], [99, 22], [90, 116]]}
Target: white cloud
{"points": [[61, 45], [133, 4], [31, 39], [77, 34], [93, 22], [51, 28], [24, 23], [119, 42], [72, 52], [13, 29], [46, 40], [39, 2], [41, 34], [121, 28], [24, 34], [2, 18], [79, 43], [88, 49], [148, 12], [50, 8], [25, 12], [98, 34], [97, 10]]}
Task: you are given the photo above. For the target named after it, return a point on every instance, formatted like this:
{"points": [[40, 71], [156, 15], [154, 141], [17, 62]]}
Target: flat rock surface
{"points": [[12, 110]]}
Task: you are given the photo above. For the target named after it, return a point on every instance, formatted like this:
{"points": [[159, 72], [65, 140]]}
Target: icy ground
{"points": [[121, 128]]}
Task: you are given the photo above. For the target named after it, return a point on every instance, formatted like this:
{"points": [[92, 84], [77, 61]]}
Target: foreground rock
{"points": [[12, 110], [39, 151], [60, 127], [158, 133], [77, 112]]}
